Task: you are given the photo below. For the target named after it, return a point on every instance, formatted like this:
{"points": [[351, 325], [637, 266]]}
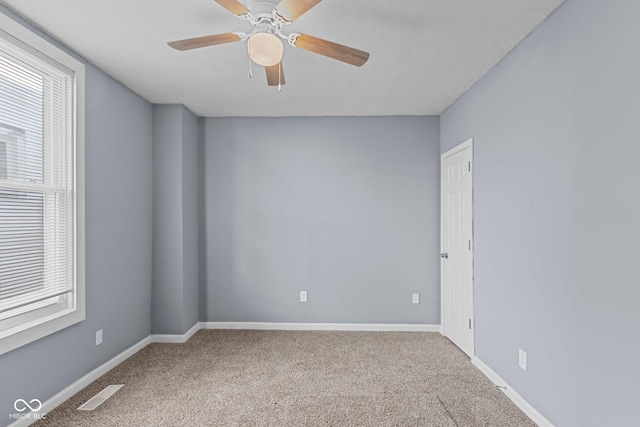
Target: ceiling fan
{"points": [[263, 42]]}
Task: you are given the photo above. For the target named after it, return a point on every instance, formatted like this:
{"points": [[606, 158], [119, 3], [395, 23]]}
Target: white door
{"points": [[457, 246]]}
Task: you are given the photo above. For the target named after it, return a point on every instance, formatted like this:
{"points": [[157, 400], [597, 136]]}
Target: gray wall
{"points": [[118, 249], [344, 208], [167, 284], [190, 231], [175, 306], [556, 213]]}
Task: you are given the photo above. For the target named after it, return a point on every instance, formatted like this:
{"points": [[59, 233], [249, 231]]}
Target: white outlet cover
{"points": [[522, 359], [416, 298], [303, 296], [99, 337]]}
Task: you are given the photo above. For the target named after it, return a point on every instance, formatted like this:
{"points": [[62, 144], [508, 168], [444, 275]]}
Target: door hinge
{"points": [[469, 166], [469, 244], [469, 323]]}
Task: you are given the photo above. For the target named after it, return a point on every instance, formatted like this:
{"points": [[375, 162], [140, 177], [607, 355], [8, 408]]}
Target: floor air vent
{"points": [[99, 398]]}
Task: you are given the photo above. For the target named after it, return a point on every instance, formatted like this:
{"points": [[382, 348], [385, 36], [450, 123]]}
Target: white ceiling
{"points": [[424, 53]]}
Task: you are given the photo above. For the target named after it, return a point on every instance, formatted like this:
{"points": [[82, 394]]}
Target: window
{"points": [[41, 187]]}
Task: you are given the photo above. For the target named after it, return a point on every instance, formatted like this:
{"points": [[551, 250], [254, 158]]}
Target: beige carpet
{"points": [[286, 378]]}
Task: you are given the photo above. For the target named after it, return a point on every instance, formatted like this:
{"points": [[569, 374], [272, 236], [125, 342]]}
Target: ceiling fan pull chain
{"points": [[279, 77]]}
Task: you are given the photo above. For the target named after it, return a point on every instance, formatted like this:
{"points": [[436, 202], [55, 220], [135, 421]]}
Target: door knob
{"points": [[444, 255]]}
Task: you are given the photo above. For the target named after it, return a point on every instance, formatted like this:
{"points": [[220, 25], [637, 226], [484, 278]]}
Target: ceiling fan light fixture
{"points": [[264, 41], [265, 49]]}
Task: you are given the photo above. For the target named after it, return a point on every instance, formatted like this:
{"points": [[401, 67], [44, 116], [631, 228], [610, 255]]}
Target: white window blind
{"points": [[37, 188]]}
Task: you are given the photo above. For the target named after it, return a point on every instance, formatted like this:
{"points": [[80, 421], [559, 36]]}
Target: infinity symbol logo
{"points": [[21, 405]]}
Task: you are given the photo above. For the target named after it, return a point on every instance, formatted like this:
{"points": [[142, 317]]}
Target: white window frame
{"points": [[48, 323]]}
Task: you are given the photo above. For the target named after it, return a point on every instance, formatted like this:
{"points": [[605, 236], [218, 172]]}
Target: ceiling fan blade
{"points": [[275, 74], [204, 41], [332, 50], [233, 6], [291, 10]]}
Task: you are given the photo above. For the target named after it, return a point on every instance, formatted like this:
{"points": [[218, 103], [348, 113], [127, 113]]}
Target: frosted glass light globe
{"points": [[265, 49]]}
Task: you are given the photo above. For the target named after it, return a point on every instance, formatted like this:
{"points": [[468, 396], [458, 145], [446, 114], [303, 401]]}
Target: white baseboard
{"points": [[378, 327], [520, 402], [52, 403], [177, 339]]}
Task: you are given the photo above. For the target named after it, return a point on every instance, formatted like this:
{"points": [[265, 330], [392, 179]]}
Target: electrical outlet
{"points": [[303, 296], [416, 299], [99, 337], [522, 359]]}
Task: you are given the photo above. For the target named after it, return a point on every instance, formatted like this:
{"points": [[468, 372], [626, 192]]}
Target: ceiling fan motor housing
{"points": [[261, 6]]}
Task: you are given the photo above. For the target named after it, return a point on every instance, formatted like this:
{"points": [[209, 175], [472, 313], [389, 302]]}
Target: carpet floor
{"points": [[296, 378]]}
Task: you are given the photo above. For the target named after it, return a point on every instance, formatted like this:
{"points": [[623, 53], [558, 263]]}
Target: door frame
{"points": [[466, 144]]}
